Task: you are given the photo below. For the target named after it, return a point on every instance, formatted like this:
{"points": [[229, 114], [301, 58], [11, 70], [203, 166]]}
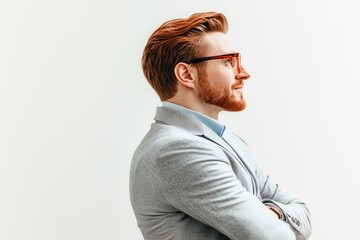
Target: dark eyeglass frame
{"points": [[236, 55]]}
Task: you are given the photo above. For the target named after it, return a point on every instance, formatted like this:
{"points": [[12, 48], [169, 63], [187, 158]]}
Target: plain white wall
{"points": [[74, 105]]}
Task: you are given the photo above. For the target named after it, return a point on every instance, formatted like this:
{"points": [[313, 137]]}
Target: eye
{"points": [[229, 61]]}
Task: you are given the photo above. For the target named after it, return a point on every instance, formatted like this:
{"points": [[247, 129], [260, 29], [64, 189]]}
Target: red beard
{"points": [[219, 95]]}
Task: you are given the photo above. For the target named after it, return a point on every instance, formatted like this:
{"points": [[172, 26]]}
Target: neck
{"points": [[200, 107]]}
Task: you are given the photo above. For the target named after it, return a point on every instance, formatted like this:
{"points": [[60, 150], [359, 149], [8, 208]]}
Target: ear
{"points": [[185, 74]]}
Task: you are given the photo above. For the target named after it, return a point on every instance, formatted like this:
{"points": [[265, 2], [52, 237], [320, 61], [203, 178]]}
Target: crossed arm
{"points": [[199, 181], [293, 210]]}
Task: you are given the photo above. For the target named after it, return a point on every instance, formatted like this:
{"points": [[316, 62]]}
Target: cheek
{"points": [[220, 76]]}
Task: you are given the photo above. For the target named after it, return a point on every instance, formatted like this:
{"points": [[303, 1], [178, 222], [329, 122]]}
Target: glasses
{"points": [[235, 59]]}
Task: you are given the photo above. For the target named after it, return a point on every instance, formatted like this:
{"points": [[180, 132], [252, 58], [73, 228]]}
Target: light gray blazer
{"points": [[186, 183]]}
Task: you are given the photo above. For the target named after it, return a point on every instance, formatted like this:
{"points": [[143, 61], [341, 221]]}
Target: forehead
{"points": [[217, 43]]}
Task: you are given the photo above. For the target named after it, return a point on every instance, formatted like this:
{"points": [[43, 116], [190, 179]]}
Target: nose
{"points": [[243, 75]]}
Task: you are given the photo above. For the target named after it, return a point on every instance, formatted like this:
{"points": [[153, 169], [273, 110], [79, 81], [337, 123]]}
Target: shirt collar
{"points": [[213, 124]]}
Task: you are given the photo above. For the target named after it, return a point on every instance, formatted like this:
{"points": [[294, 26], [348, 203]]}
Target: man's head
{"points": [[175, 57]]}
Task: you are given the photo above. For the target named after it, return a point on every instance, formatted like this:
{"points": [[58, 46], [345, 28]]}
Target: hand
{"points": [[275, 211]]}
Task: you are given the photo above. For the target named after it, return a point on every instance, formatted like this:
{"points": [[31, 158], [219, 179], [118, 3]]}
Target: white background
{"points": [[74, 105]]}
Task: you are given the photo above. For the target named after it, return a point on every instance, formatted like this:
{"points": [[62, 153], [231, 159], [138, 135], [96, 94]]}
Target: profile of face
{"points": [[220, 83]]}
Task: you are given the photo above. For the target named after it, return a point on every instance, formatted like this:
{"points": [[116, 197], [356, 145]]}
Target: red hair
{"points": [[177, 40]]}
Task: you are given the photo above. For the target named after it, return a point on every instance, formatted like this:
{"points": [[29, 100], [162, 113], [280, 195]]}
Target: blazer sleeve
{"points": [[295, 211], [198, 180]]}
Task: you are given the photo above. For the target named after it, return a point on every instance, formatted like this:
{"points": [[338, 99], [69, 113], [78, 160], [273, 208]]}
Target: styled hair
{"points": [[177, 40]]}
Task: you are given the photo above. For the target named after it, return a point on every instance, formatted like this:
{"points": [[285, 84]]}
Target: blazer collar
{"points": [[184, 121]]}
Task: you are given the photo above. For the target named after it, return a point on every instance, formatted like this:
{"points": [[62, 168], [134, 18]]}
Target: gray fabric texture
{"points": [[188, 183]]}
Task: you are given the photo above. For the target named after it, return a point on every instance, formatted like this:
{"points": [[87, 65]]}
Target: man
{"points": [[191, 178]]}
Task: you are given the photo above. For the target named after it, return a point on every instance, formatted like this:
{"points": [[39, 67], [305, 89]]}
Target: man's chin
{"points": [[236, 109], [234, 106]]}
